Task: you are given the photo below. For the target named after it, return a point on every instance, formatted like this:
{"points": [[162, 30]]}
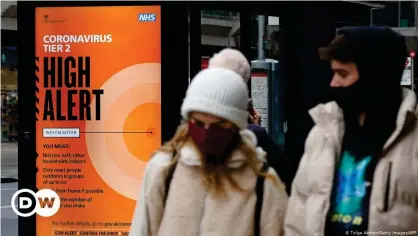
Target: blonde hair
{"points": [[212, 178]]}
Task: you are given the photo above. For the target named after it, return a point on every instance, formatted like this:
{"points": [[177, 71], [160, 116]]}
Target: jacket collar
{"points": [[329, 116], [190, 156]]}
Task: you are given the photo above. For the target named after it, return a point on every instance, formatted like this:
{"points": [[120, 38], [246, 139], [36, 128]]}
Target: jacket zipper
{"points": [[339, 151], [387, 189]]}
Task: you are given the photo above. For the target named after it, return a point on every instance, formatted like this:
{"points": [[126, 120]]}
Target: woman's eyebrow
{"points": [[213, 123], [218, 122]]}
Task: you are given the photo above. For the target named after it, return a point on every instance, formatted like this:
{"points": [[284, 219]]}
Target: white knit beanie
{"points": [[232, 59], [219, 92]]}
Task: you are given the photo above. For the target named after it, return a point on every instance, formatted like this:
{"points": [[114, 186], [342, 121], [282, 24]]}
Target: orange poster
{"points": [[99, 120]]}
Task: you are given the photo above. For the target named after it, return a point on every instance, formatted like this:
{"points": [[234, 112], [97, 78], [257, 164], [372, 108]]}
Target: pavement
{"points": [[8, 161], [9, 225]]}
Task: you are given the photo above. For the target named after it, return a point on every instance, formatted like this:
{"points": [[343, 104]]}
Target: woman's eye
{"points": [[199, 123]]}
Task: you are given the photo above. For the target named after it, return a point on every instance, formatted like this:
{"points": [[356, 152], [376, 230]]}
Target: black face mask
{"points": [[352, 100], [379, 105]]}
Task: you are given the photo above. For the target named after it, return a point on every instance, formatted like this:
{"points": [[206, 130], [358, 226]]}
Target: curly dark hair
{"points": [[337, 49]]}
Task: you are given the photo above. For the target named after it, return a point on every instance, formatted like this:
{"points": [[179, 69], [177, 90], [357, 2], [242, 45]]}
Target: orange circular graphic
{"points": [[131, 103], [119, 112], [140, 139]]}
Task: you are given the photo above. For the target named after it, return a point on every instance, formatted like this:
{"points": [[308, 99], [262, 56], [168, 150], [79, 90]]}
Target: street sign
{"points": [[407, 75]]}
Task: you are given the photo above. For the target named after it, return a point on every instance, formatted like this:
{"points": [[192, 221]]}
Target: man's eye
{"points": [[342, 75]]}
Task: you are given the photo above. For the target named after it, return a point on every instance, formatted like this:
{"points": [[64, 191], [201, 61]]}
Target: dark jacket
{"points": [[275, 155]]}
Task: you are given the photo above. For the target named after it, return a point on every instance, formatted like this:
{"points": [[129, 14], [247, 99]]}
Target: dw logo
{"points": [[147, 17], [47, 202]]}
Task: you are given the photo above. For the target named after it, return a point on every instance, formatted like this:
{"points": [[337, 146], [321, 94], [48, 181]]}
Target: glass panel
{"points": [[387, 16], [271, 35], [407, 14], [395, 14], [9, 97], [218, 14], [219, 29]]}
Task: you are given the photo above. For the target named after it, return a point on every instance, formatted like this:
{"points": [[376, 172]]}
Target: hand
{"points": [[255, 118]]}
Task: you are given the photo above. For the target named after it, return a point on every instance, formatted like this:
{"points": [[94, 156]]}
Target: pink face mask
{"points": [[215, 141]]}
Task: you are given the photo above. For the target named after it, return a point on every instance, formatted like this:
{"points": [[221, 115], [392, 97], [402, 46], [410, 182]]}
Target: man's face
{"points": [[345, 74]]}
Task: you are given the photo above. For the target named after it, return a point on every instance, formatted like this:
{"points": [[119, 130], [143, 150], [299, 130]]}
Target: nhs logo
{"points": [[147, 17]]}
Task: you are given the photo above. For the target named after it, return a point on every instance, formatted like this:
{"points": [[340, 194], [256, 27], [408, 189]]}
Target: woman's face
{"points": [[206, 120]]}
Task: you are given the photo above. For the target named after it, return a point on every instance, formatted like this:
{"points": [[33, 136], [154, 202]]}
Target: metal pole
{"points": [[412, 74], [371, 16], [188, 37], [399, 14], [416, 14], [260, 37]]}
